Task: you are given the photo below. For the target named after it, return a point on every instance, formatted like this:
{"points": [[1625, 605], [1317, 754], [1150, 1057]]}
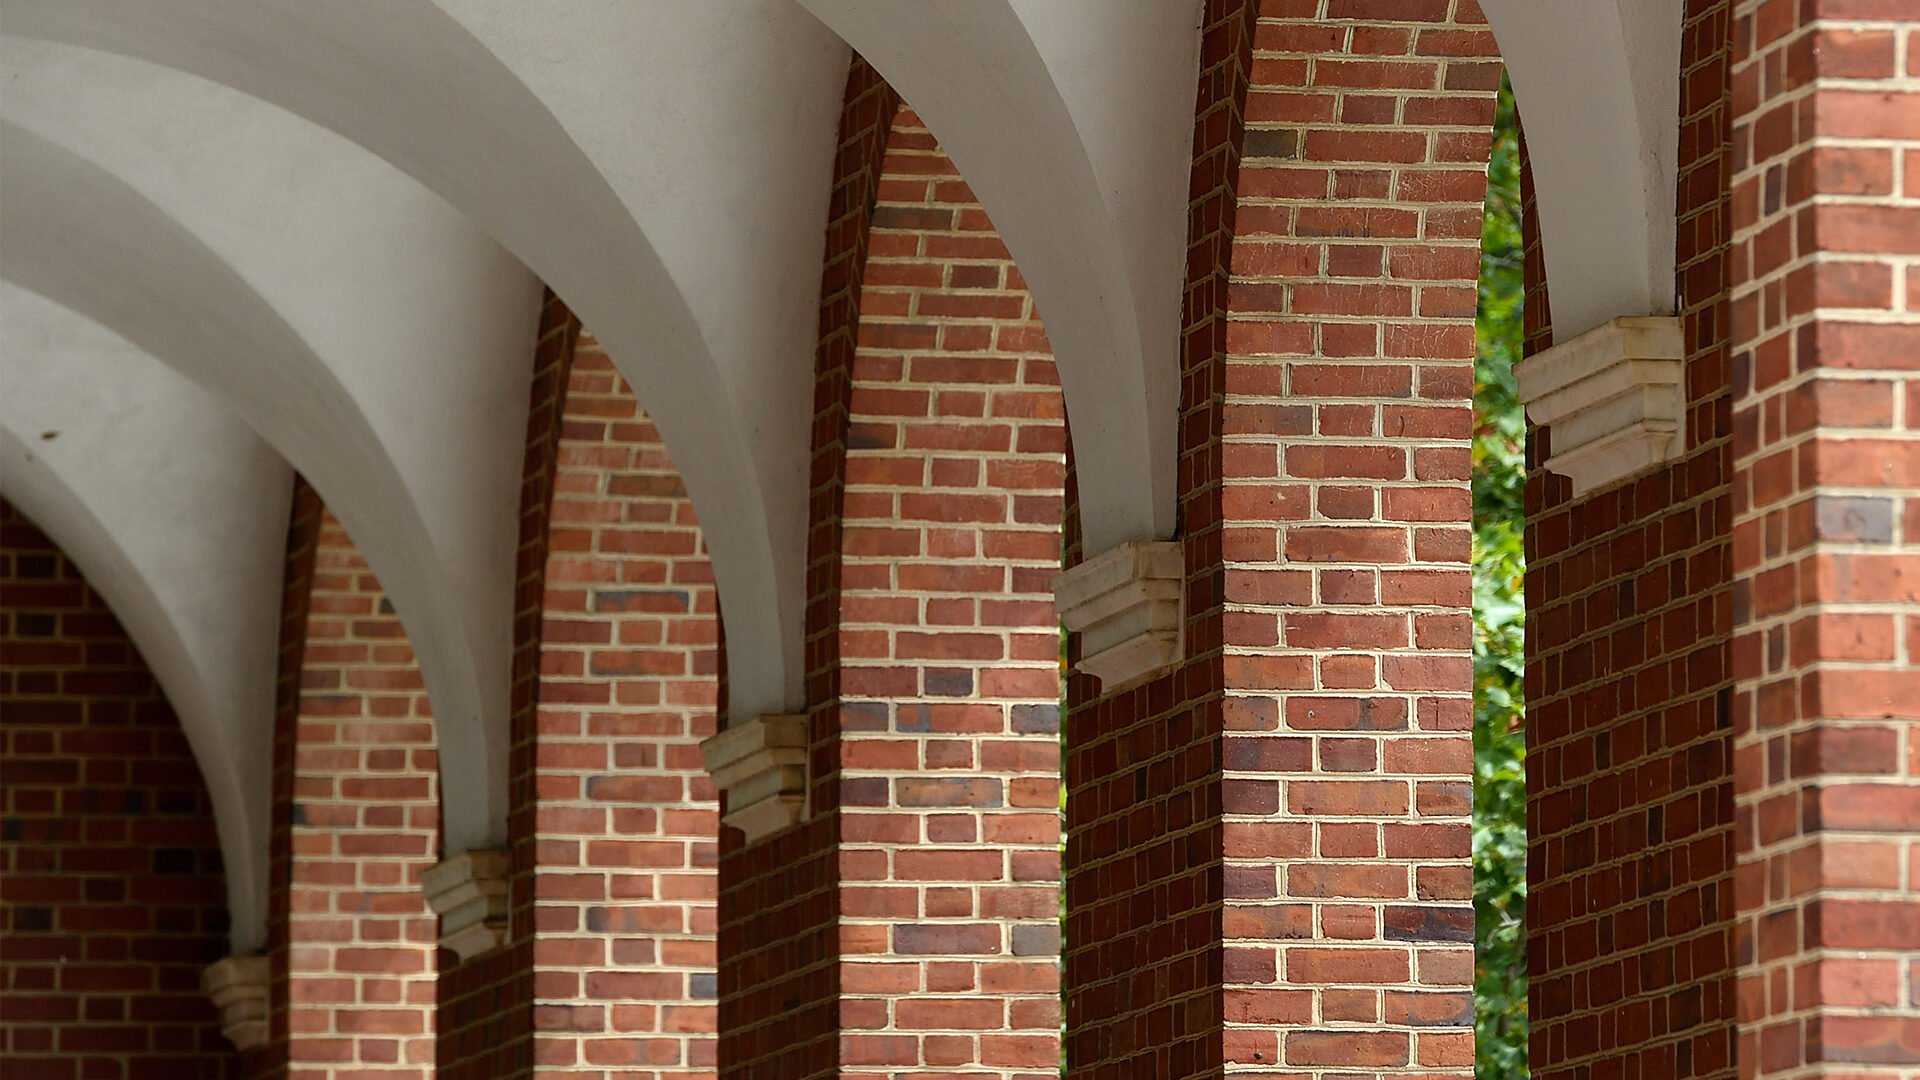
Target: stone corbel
{"points": [[1126, 606], [237, 985], [1613, 397], [762, 766], [469, 893]]}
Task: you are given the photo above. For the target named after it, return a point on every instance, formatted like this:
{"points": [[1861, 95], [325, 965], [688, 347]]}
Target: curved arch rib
{"points": [[717, 341], [87, 241], [1055, 111], [176, 514], [1597, 93]]}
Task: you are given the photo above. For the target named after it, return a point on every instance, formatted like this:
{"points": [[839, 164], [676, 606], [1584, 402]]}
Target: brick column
{"points": [[111, 896], [626, 823], [778, 911], [949, 647], [1825, 277], [1268, 848], [1629, 788], [485, 1019], [910, 922], [296, 592], [365, 814]]}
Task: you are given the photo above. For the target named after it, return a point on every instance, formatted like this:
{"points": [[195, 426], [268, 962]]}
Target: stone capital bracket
{"points": [[1614, 397], [762, 766], [237, 985], [469, 893], [1126, 606]]}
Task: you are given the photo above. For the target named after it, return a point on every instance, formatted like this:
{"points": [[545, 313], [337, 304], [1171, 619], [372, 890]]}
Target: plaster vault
{"points": [[334, 220]]}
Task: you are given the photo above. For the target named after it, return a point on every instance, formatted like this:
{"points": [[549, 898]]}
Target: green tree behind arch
{"points": [[1499, 566]]}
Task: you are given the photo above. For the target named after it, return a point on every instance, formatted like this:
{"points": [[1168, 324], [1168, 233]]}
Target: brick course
{"points": [[932, 655], [626, 817], [1826, 226], [111, 891]]}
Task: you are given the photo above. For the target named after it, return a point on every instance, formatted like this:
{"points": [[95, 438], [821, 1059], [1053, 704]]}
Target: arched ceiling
{"points": [[1073, 123], [1598, 89], [663, 166], [177, 513], [330, 216], [378, 340]]}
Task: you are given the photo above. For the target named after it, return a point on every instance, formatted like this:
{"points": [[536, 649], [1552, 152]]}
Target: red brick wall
{"points": [[1826, 545], [949, 646], [365, 817], [111, 891], [627, 821], [911, 921], [1268, 848], [1346, 539], [779, 979], [1628, 610]]}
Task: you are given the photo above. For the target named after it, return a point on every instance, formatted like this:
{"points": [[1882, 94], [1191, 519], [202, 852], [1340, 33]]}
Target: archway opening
{"points": [[1499, 617]]}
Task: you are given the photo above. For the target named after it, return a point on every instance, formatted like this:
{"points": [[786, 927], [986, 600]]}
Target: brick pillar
{"points": [[1269, 847], [626, 823], [111, 892], [910, 922], [1629, 788], [1826, 549], [779, 979], [485, 1018], [361, 966], [949, 647]]}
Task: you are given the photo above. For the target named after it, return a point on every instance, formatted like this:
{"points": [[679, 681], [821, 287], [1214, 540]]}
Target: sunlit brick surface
{"points": [[624, 916], [1311, 762], [949, 648], [1825, 275]]}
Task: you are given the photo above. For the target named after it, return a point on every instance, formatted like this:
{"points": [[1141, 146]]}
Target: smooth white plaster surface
{"points": [[1598, 90], [177, 514], [369, 332], [664, 166], [1059, 114]]}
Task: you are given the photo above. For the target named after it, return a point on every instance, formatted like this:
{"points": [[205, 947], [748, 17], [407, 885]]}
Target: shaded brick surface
{"points": [[1825, 171], [112, 896]]}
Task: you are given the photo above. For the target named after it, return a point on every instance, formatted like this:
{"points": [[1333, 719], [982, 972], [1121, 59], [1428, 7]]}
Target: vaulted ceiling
{"points": [[244, 237]]}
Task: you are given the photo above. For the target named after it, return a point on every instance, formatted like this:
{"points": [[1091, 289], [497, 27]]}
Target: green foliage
{"points": [[1499, 565], [1499, 749]]}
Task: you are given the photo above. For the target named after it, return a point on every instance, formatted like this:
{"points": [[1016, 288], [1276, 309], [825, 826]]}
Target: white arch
{"points": [[1073, 123], [664, 166], [350, 317], [177, 514], [1598, 88]]}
